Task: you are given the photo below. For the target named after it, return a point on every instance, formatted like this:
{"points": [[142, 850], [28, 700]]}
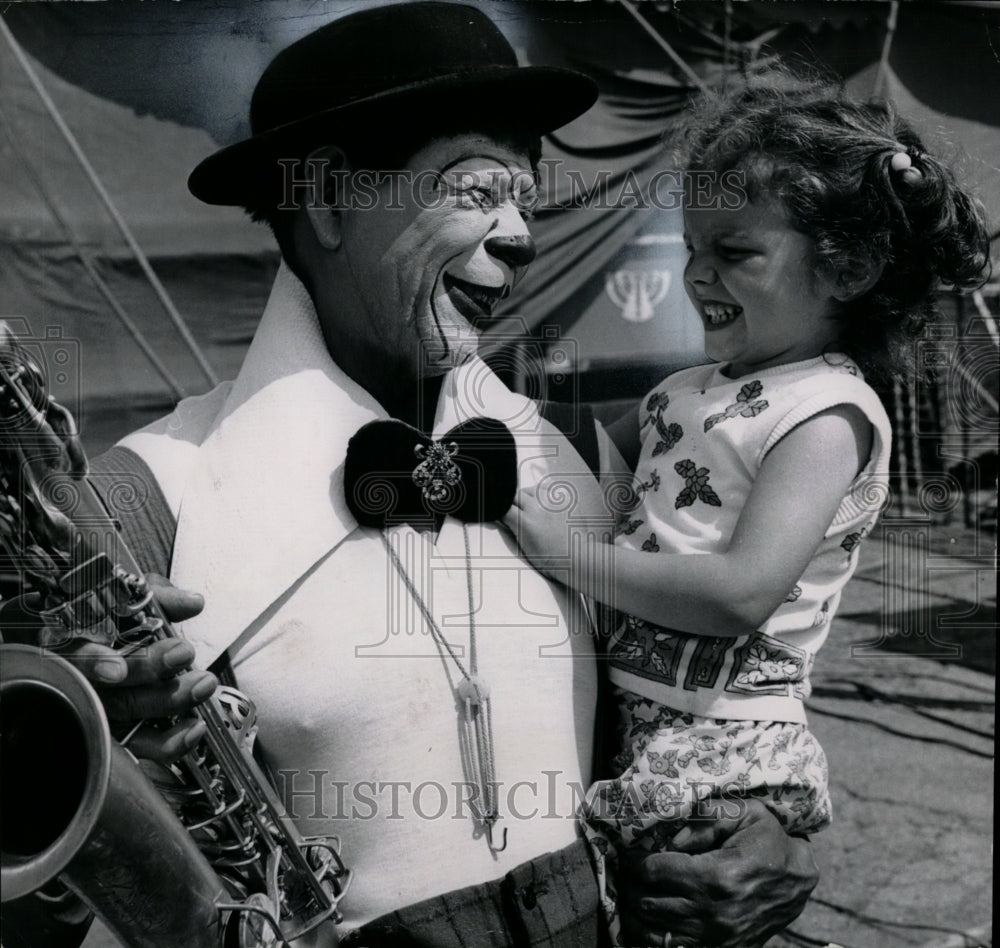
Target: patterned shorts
{"points": [[677, 767]]}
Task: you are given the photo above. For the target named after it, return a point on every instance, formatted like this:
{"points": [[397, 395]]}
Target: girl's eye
{"points": [[734, 253]]}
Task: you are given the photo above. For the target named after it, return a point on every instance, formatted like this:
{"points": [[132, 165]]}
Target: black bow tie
{"points": [[393, 473]]}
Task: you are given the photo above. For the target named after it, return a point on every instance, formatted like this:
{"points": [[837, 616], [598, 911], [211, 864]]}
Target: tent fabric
{"points": [[152, 121], [216, 266], [142, 161]]}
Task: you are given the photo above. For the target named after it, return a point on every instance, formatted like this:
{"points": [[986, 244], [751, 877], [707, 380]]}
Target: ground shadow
{"points": [[945, 633]]}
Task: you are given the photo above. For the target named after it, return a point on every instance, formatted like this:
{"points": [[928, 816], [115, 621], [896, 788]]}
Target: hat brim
{"points": [[538, 99]]}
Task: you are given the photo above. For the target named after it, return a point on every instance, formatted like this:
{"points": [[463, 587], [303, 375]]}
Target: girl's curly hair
{"points": [[829, 160]]}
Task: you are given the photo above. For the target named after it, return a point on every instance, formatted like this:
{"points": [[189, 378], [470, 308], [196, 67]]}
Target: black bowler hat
{"points": [[406, 63]]}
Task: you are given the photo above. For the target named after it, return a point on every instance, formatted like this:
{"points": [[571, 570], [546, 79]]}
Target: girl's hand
{"points": [[540, 533], [551, 531]]}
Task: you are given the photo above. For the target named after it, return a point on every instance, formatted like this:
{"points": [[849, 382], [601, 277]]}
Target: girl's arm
{"points": [[801, 483]]}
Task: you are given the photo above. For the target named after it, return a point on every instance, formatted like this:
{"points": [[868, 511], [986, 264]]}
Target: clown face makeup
{"points": [[436, 250]]}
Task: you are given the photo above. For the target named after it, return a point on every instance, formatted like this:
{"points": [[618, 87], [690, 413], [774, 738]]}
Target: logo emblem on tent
{"points": [[636, 292]]}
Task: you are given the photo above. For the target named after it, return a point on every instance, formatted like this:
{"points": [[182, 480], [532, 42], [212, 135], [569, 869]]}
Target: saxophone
{"points": [[200, 853]]}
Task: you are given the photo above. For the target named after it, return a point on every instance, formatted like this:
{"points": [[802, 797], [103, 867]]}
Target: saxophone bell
{"points": [[88, 816]]}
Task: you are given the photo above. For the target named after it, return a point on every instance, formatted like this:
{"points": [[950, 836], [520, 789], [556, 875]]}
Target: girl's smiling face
{"points": [[751, 278]]}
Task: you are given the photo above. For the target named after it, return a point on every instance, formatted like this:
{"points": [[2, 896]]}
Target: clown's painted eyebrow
{"points": [[515, 171], [468, 156]]}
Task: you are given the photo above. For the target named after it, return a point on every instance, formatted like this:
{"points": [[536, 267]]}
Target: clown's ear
{"points": [[324, 180]]}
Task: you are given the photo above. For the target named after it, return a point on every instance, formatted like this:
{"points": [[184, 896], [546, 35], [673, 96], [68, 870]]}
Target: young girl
{"points": [[817, 230]]}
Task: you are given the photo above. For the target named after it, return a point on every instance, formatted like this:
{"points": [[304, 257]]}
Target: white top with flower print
{"points": [[704, 437]]}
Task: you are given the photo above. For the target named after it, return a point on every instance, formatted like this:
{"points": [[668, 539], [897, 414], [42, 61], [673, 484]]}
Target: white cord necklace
{"points": [[475, 717]]}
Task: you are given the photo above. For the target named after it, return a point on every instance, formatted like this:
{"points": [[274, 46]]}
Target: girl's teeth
{"points": [[717, 313]]}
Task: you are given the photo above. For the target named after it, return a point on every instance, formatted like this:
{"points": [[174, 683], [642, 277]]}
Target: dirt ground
{"points": [[903, 703]]}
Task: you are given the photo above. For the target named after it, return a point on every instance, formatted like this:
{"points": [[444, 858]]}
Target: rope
{"points": [[692, 76], [95, 181], [476, 732], [422, 606], [883, 63], [147, 350]]}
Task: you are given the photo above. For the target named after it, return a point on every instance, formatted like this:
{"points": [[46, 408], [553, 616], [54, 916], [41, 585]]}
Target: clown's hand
{"points": [[153, 684], [732, 882]]}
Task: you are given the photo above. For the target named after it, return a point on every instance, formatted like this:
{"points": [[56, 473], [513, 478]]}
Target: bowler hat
{"points": [[414, 63]]}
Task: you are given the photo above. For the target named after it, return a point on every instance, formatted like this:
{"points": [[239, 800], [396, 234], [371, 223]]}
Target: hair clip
{"points": [[902, 163]]}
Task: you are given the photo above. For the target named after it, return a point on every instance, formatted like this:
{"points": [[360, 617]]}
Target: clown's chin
{"points": [[447, 338]]}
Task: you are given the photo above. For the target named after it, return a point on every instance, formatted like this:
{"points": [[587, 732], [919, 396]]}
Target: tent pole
{"points": [[727, 38], [883, 63], [147, 350], [666, 47], [977, 385], [987, 317], [67, 134]]}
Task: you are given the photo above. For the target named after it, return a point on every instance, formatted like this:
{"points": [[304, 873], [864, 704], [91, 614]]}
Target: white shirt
{"points": [[354, 698]]}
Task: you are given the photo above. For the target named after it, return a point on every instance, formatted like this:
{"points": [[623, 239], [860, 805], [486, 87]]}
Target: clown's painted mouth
{"points": [[719, 314], [472, 300]]}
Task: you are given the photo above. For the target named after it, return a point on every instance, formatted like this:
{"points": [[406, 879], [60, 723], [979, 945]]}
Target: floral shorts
{"points": [[677, 767]]}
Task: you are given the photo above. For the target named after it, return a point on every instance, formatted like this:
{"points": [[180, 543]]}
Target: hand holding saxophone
{"points": [[154, 683]]}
